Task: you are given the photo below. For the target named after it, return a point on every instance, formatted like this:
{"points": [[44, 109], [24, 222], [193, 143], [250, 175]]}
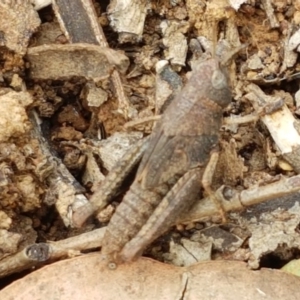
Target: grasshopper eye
{"points": [[218, 80]]}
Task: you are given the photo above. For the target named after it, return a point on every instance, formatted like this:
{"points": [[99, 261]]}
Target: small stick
{"points": [[267, 4], [236, 120], [138, 122], [205, 209], [41, 253]]}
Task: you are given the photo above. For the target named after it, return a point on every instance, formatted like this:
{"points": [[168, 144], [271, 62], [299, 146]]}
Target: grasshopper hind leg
{"points": [[179, 198]]}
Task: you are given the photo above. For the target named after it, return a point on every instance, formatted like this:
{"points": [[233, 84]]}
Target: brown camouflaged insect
{"points": [[179, 157]]}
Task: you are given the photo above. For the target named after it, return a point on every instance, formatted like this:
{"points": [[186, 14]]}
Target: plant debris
{"points": [[77, 93]]}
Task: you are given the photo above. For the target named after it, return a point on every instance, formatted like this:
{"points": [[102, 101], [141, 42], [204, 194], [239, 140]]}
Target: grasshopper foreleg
{"points": [[207, 180]]}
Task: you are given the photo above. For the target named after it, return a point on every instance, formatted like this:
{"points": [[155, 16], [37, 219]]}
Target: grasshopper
{"points": [[177, 159]]}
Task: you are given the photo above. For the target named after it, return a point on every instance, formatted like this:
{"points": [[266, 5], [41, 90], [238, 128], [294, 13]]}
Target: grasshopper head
{"points": [[215, 78], [218, 89]]}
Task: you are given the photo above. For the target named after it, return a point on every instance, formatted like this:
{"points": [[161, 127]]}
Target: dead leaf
{"points": [[60, 61], [87, 277]]}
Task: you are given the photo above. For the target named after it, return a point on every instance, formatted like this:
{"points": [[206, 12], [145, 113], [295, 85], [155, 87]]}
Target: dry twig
{"points": [[86, 29], [38, 254]]}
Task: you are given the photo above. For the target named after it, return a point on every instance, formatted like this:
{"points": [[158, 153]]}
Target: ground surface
{"points": [[85, 128]]}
